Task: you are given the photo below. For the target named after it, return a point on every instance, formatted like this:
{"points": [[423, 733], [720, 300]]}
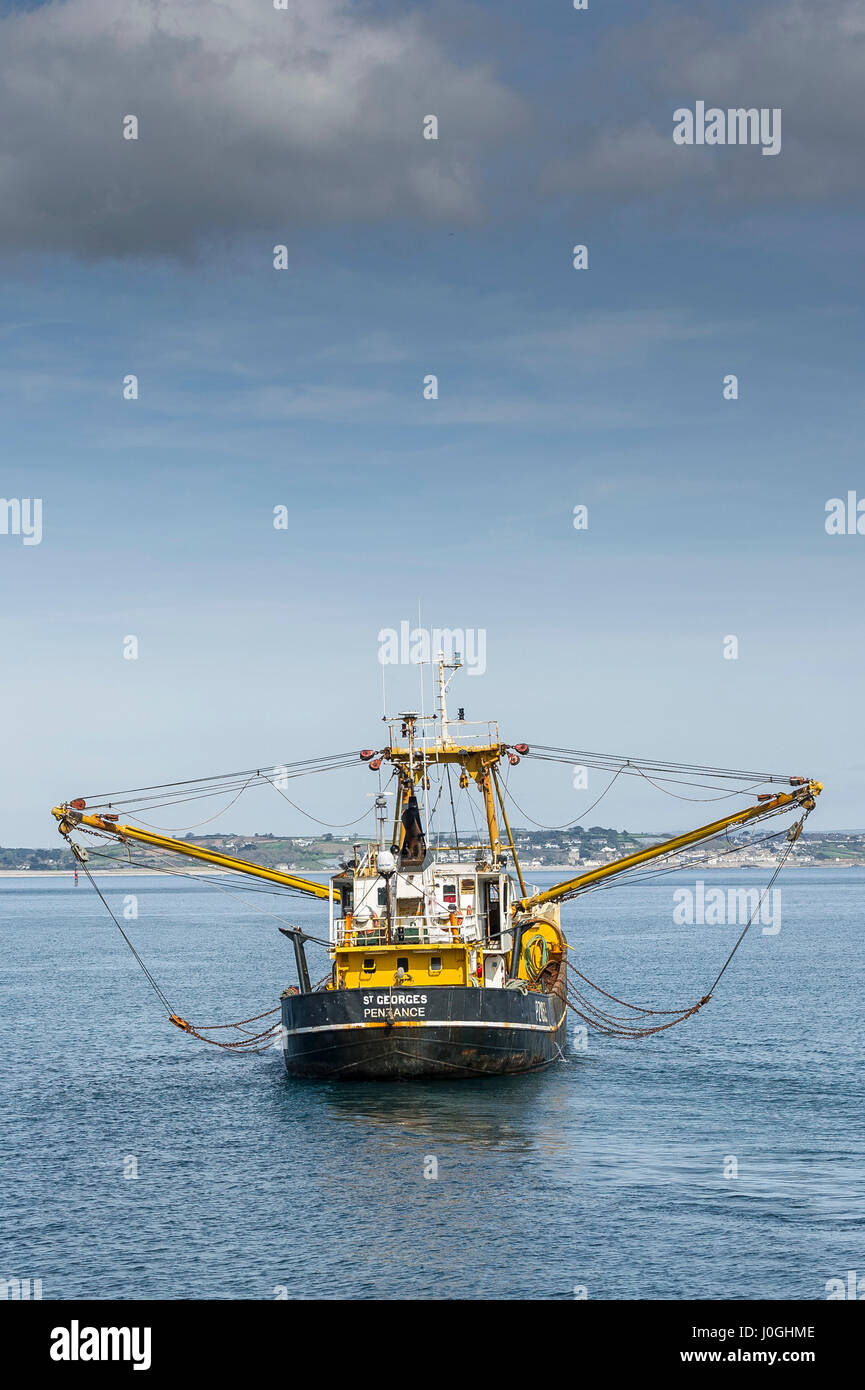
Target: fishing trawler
{"points": [[444, 962]]}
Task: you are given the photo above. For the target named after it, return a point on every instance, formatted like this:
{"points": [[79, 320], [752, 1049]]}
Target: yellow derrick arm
{"points": [[802, 796], [69, 819]]}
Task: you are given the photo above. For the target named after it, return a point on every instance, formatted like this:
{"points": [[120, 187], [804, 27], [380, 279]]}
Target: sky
{"points": [[303, 388]]}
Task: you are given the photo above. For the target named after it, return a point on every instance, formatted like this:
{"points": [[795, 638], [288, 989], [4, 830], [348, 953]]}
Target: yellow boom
{"points": [[802, 796], [69, 819]]}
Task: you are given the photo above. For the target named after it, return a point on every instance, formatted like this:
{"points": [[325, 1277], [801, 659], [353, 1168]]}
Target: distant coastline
{"points": [[572, 869], [566, 853]]}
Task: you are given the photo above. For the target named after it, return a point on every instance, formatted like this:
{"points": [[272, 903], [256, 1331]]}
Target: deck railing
{"points": [[405, 931]]}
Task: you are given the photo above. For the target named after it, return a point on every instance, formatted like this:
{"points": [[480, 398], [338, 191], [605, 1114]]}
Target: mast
{"points": [[380, 817], [477, 756], [443, 708]]}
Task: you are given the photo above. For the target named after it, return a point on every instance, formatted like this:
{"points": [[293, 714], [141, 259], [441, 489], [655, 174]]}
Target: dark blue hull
{"points": [[447, 1031]]}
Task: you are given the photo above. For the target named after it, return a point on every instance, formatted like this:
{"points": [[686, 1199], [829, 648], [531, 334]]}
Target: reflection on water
{"points": [[497, 1114]]}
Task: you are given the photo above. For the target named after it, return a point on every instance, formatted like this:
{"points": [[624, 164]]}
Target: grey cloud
{"points": [[263, 123], [636, 159], [806, 57], [252, 121]]}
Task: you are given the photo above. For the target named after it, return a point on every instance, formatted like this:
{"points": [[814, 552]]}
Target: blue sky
{"points": [[303, 387]]}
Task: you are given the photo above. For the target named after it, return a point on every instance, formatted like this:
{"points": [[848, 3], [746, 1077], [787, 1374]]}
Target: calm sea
{"points": [[610, 1172]]}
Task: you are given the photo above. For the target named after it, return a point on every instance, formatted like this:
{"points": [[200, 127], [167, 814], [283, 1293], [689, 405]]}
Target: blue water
{"points": [[606, 1171]]}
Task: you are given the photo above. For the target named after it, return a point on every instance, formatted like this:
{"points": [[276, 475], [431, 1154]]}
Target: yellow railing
{"points": [[404, 931]]}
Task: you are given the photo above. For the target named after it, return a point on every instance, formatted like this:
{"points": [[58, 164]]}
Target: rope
{"points": [[453, 809], [633, 767], [783, 860], [245, 1044], [624, 1026], [700, 856], [570, 823], [202, 879], [723, 796], [613, 760], [228, 780], [275, 890], [331, 825], [159, 992], [175, 830], [264, 1039]]}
